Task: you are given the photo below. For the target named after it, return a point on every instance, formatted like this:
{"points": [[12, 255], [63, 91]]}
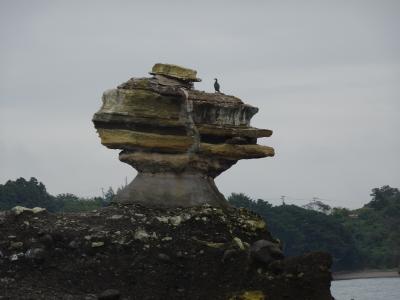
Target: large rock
{"points": [[135, 252], [175, 71], [179, 139]]}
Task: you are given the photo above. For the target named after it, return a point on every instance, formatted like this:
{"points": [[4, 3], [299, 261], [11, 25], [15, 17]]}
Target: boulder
{"points": [[175, 71], [17, 210], [265, 251]]}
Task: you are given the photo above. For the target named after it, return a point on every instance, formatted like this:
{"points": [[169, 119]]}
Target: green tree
{"points": [[109, 195], [72, 203], [303, 230], [382, 197], [25, 193], [33, 193]]}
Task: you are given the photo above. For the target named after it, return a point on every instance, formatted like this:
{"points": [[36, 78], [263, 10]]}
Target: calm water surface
{"points": [[366, 289]]}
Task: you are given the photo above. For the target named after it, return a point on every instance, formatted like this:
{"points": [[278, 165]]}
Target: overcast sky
{"points": [[325, 75]]}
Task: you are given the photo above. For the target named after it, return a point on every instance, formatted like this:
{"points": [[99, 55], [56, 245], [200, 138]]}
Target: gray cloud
{"points": [[325, 75]]}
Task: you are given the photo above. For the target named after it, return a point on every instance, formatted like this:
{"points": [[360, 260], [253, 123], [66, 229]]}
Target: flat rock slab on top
{"points": [[175, 71], [179, 139]]}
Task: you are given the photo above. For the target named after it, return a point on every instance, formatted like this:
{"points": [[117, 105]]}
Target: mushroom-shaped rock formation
{"points": [[179, 139]]}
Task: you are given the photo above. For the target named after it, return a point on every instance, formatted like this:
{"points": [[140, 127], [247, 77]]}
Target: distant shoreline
{"points": [[365, 274]]}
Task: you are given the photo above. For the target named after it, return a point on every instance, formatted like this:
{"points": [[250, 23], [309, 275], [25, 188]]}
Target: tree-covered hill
{"points": [[368, 237], [302, 230], [31, 193], [375, 228]]}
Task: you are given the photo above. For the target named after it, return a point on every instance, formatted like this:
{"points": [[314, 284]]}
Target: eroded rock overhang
{"points": [[164, 126]]}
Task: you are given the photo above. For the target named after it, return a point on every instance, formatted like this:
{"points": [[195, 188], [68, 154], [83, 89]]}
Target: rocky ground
{"points": [[133, 252]]}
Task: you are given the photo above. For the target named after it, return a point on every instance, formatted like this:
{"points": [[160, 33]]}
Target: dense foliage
{"points": [[368, 237], [375, 228], [33, 193]]}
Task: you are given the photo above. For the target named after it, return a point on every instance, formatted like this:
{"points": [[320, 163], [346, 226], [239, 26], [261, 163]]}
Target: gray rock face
{"points": [[192, 190]]}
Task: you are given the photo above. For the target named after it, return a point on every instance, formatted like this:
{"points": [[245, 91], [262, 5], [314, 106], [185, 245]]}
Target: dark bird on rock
{"points": [[216, 86]]}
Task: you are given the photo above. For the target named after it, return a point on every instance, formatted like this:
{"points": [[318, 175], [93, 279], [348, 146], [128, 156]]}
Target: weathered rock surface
{"points": [[137, 252], [179, 139]]}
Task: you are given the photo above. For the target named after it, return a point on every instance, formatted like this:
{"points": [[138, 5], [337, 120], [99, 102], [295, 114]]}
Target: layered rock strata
{"points": [[179, 139]]}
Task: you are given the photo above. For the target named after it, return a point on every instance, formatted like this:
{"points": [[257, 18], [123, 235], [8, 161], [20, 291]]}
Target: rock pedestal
{"points": [[179, 139]]}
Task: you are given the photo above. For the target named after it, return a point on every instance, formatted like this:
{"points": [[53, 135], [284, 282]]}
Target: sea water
{"points": [[366, 289]]}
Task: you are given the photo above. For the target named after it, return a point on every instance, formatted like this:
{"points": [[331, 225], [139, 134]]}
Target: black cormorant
{"points": [[216, 86]]}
